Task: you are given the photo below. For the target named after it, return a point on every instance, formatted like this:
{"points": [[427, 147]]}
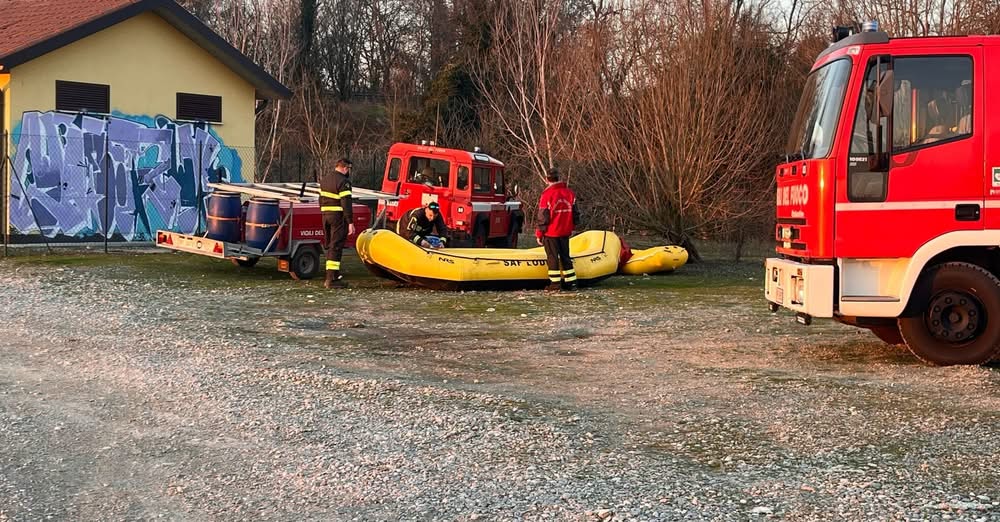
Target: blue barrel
{"points": [[262, 222], [224, 213]]}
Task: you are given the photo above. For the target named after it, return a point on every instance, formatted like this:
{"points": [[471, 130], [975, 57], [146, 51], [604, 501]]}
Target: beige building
{"points": [[116, 114]]}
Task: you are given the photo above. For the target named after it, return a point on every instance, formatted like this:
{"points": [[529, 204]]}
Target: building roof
{"points": [[31, 28]]}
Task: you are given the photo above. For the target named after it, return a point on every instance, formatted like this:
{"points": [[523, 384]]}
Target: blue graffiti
{"points": [[80, 176]]}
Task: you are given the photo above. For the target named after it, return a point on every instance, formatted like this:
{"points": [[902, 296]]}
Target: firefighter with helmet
{"points": [[338, 219]]}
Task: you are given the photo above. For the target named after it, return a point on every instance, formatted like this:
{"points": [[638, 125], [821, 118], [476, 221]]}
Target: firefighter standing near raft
{"points": [[557, 217], [338, 219]]}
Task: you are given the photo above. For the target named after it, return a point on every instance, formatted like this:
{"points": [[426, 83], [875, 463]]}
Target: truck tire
{"points": [[480, 235], [304, 264], [888, 334], [960, 321], [501, 242]]}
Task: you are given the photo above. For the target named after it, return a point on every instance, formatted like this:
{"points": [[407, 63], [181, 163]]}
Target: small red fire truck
{"points": [[469, 187], [888, 204]]}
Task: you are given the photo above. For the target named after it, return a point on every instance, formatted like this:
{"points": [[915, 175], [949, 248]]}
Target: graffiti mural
{"points": [[77, 176]]}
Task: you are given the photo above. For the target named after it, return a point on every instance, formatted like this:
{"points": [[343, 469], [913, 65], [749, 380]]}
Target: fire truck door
{"points": [[914, 168]]}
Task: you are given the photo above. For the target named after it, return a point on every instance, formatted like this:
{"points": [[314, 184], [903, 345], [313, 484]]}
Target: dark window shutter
{"points": [[199, 107], [83, 97]]}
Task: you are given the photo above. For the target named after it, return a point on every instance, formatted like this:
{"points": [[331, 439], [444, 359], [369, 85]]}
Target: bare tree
{"points": [[382, 46], [540, 109], [339, 37], [686, 150]]}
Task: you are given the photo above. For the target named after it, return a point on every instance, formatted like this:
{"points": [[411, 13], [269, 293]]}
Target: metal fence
{"points": [[367, 172], [68, 189], [86, 188]]}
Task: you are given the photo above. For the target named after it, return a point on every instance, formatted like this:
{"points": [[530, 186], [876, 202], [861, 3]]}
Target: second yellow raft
{"points": [[655, 260], [595, 257]]}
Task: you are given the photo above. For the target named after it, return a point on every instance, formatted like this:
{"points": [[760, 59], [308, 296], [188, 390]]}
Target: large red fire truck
{"points": [[888, 204], [468, 185]]}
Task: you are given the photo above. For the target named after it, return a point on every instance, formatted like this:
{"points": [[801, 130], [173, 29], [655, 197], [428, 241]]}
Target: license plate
{"points": [[779, 295]]}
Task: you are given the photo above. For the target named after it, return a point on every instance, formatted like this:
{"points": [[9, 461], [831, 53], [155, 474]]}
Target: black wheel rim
{"points": [[955, 317]]}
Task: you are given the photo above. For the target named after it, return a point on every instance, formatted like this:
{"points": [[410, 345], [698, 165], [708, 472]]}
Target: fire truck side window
{"points": [[498, 186], [394, 169], [933, 100], [481, 180], [463, 178], [865, 139], [429, 171]]}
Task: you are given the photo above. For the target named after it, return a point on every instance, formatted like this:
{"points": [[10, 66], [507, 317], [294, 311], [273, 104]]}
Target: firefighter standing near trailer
{"points": [[557, 217], [338, 219]]}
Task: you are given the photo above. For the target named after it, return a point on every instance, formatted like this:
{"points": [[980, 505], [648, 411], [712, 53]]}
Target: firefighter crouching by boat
{"points": [[338, 219], [418, 225]]}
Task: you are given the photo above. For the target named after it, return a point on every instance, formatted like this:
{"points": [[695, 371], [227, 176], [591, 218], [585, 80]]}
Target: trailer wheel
{"points": [[304, 264], [960, 323], [888, 334], [249, 262]]}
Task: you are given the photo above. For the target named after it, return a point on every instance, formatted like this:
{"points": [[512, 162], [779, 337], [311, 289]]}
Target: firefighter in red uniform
{"points": [[557, 216], [338, 219]]}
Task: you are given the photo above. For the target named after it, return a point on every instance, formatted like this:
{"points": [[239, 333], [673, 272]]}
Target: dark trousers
{"points": [[334, 237], [560, 264]]}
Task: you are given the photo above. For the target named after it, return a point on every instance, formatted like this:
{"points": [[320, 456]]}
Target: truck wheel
{"points": [[479, 237], [304, 264], [960, 324], [888, 334], [249, 262], [512, 240]]}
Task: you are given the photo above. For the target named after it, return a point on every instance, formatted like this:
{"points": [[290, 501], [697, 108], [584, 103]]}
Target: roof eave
{"points": [[265, 85], [26, 54]]}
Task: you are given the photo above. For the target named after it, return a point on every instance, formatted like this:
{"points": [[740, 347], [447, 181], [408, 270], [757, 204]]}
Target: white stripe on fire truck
{"points": [[911, 205]]}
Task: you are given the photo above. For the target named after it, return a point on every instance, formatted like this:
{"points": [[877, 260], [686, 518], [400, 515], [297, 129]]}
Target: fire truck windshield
{"points": [[819, 108]]}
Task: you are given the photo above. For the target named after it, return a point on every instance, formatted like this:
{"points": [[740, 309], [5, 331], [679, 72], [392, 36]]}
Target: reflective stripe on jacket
{"points": [[418, 227], [335, 194]]}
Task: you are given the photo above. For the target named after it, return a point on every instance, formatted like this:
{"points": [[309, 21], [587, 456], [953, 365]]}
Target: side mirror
{"points": [[515, 190]]}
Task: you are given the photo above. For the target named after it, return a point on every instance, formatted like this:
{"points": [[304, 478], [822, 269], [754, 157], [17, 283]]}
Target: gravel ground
{"points": [[164, 386]]}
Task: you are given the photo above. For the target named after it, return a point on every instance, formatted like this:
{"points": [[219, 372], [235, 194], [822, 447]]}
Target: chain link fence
{"points": [[84, 188], [66, 189], [368, 168]]}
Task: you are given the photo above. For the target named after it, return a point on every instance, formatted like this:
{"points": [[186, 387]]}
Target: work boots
{"points": [[334, 280], [553, 287]]}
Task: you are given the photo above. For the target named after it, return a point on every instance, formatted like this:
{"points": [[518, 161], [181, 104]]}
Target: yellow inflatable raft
{"points": [[654, 260], [595, 257]]}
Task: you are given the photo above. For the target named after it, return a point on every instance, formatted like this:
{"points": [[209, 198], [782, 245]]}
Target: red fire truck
{"points": [[469, 187], [888, 204]]}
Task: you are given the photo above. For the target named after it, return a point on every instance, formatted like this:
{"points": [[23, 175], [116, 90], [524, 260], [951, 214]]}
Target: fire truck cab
{"points": [[469, 187], [888, 202]]}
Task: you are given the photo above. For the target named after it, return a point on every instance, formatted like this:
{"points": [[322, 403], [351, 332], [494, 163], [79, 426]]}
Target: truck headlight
{"points": [[798, 290]]}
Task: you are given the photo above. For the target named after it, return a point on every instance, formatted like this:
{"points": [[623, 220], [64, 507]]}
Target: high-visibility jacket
{"points": [[557, 212], [335, 194]]}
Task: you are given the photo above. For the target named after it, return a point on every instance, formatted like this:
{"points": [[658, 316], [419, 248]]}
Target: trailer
{"points": [[297, 242]]}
